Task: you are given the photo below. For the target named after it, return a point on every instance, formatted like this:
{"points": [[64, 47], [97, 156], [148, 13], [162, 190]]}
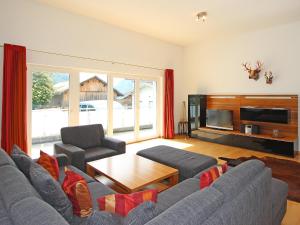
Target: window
{"points": [[126, 106], [93, 99], [50, 108], [147, 108]]}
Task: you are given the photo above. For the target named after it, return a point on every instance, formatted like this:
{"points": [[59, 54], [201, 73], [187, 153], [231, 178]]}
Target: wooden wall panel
{"points": [[234, 102]]}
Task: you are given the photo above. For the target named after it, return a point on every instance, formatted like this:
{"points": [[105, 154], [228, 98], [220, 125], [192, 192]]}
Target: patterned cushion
{"points": [[208, 177], [51, 191], [50, 164], [78, 192], [22, 160], [123, 203]]}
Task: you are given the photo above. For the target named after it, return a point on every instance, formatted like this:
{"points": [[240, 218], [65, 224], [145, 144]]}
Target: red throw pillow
{"points": [[123, 203], [211, 175], [49, 163], [77, 190]]}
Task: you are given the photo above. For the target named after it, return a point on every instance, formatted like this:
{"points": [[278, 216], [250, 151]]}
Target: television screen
{"points": [[221, 119]]}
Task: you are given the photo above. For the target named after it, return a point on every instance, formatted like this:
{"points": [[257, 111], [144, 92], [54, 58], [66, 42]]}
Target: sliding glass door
{"points": [[126, 106], [93, 105], [147, 108], [134, 108], [50, 108]]}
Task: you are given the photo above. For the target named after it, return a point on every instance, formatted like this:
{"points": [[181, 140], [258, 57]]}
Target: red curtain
{"points": [[14, 107], [169, 104]]}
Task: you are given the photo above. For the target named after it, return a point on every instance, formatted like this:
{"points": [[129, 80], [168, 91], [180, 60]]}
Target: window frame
{"points": [[74, 97]]}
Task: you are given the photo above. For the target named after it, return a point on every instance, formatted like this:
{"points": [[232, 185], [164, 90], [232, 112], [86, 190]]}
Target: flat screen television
{"points": [[219, 118], [272, 115]]}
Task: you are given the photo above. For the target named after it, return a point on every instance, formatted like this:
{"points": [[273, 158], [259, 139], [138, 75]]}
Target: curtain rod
{"points": [[92, 59]]}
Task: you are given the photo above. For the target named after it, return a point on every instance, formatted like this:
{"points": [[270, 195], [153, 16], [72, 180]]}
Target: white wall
{"points": [[40, 27], [215, 66]]}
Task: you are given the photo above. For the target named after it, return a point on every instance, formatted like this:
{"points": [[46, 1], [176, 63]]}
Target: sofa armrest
{"points": [[75, 155], [62, 160], [114, 144]]}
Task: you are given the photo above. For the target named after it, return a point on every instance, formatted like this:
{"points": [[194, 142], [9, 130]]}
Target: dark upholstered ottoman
{"points": [[188, 163]]}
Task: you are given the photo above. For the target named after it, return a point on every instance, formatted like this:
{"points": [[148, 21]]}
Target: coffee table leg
{"points": [[90, 171], [173, 180]]}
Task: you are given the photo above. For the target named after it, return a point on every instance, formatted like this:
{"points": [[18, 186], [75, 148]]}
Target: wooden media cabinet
{"points": [[286, 143]]}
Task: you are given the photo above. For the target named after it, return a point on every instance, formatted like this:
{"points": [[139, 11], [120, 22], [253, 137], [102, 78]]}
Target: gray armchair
{"points": [[87, 143]]}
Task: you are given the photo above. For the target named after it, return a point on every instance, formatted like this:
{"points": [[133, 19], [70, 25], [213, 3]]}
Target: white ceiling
{"points": [[174, 20]]}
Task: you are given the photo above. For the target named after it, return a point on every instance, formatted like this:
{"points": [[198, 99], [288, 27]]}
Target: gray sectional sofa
{"points": [[245, 195]]}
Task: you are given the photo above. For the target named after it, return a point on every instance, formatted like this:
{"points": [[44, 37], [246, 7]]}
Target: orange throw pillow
{"points": [[49, 163], [77, 190], [208, 177], [123, 203]]}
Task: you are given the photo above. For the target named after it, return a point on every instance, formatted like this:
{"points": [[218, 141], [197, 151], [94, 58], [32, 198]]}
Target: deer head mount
{"points": [[253, 73], [269, 77]]}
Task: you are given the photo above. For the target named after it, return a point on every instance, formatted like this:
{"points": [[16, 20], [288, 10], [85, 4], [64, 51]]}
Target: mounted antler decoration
{"points": [[269, 77], [253, 73]]}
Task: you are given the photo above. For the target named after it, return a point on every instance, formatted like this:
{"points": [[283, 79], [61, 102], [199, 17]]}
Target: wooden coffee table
{"points": [[129, 173]]}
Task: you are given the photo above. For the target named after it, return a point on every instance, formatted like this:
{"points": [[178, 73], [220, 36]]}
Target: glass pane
{"points": [[147, 95], [93, 99], [123, 108], [194, 106], [50, 109]]}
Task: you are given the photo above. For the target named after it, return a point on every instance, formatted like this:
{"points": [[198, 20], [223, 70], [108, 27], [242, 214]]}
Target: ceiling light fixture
{"points": [[201, 16]]}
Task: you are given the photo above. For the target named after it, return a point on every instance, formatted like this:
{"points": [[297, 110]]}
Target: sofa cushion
{"points": [[14, 186], [3, 211], [50, 164], [234, 181], [279, 195], [84, 137], [51, 191], [188, 163], [141, 214], [22, 160], [97, 190], [277, 219], [212, 174], [5, 221], [250, 205], [92, 154], [5, 159], [138, 216], [4, 215], [62, 174], [194, 209], [123, 203], [174, 194], [78, 192], [104, 218], [33, 211]]}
